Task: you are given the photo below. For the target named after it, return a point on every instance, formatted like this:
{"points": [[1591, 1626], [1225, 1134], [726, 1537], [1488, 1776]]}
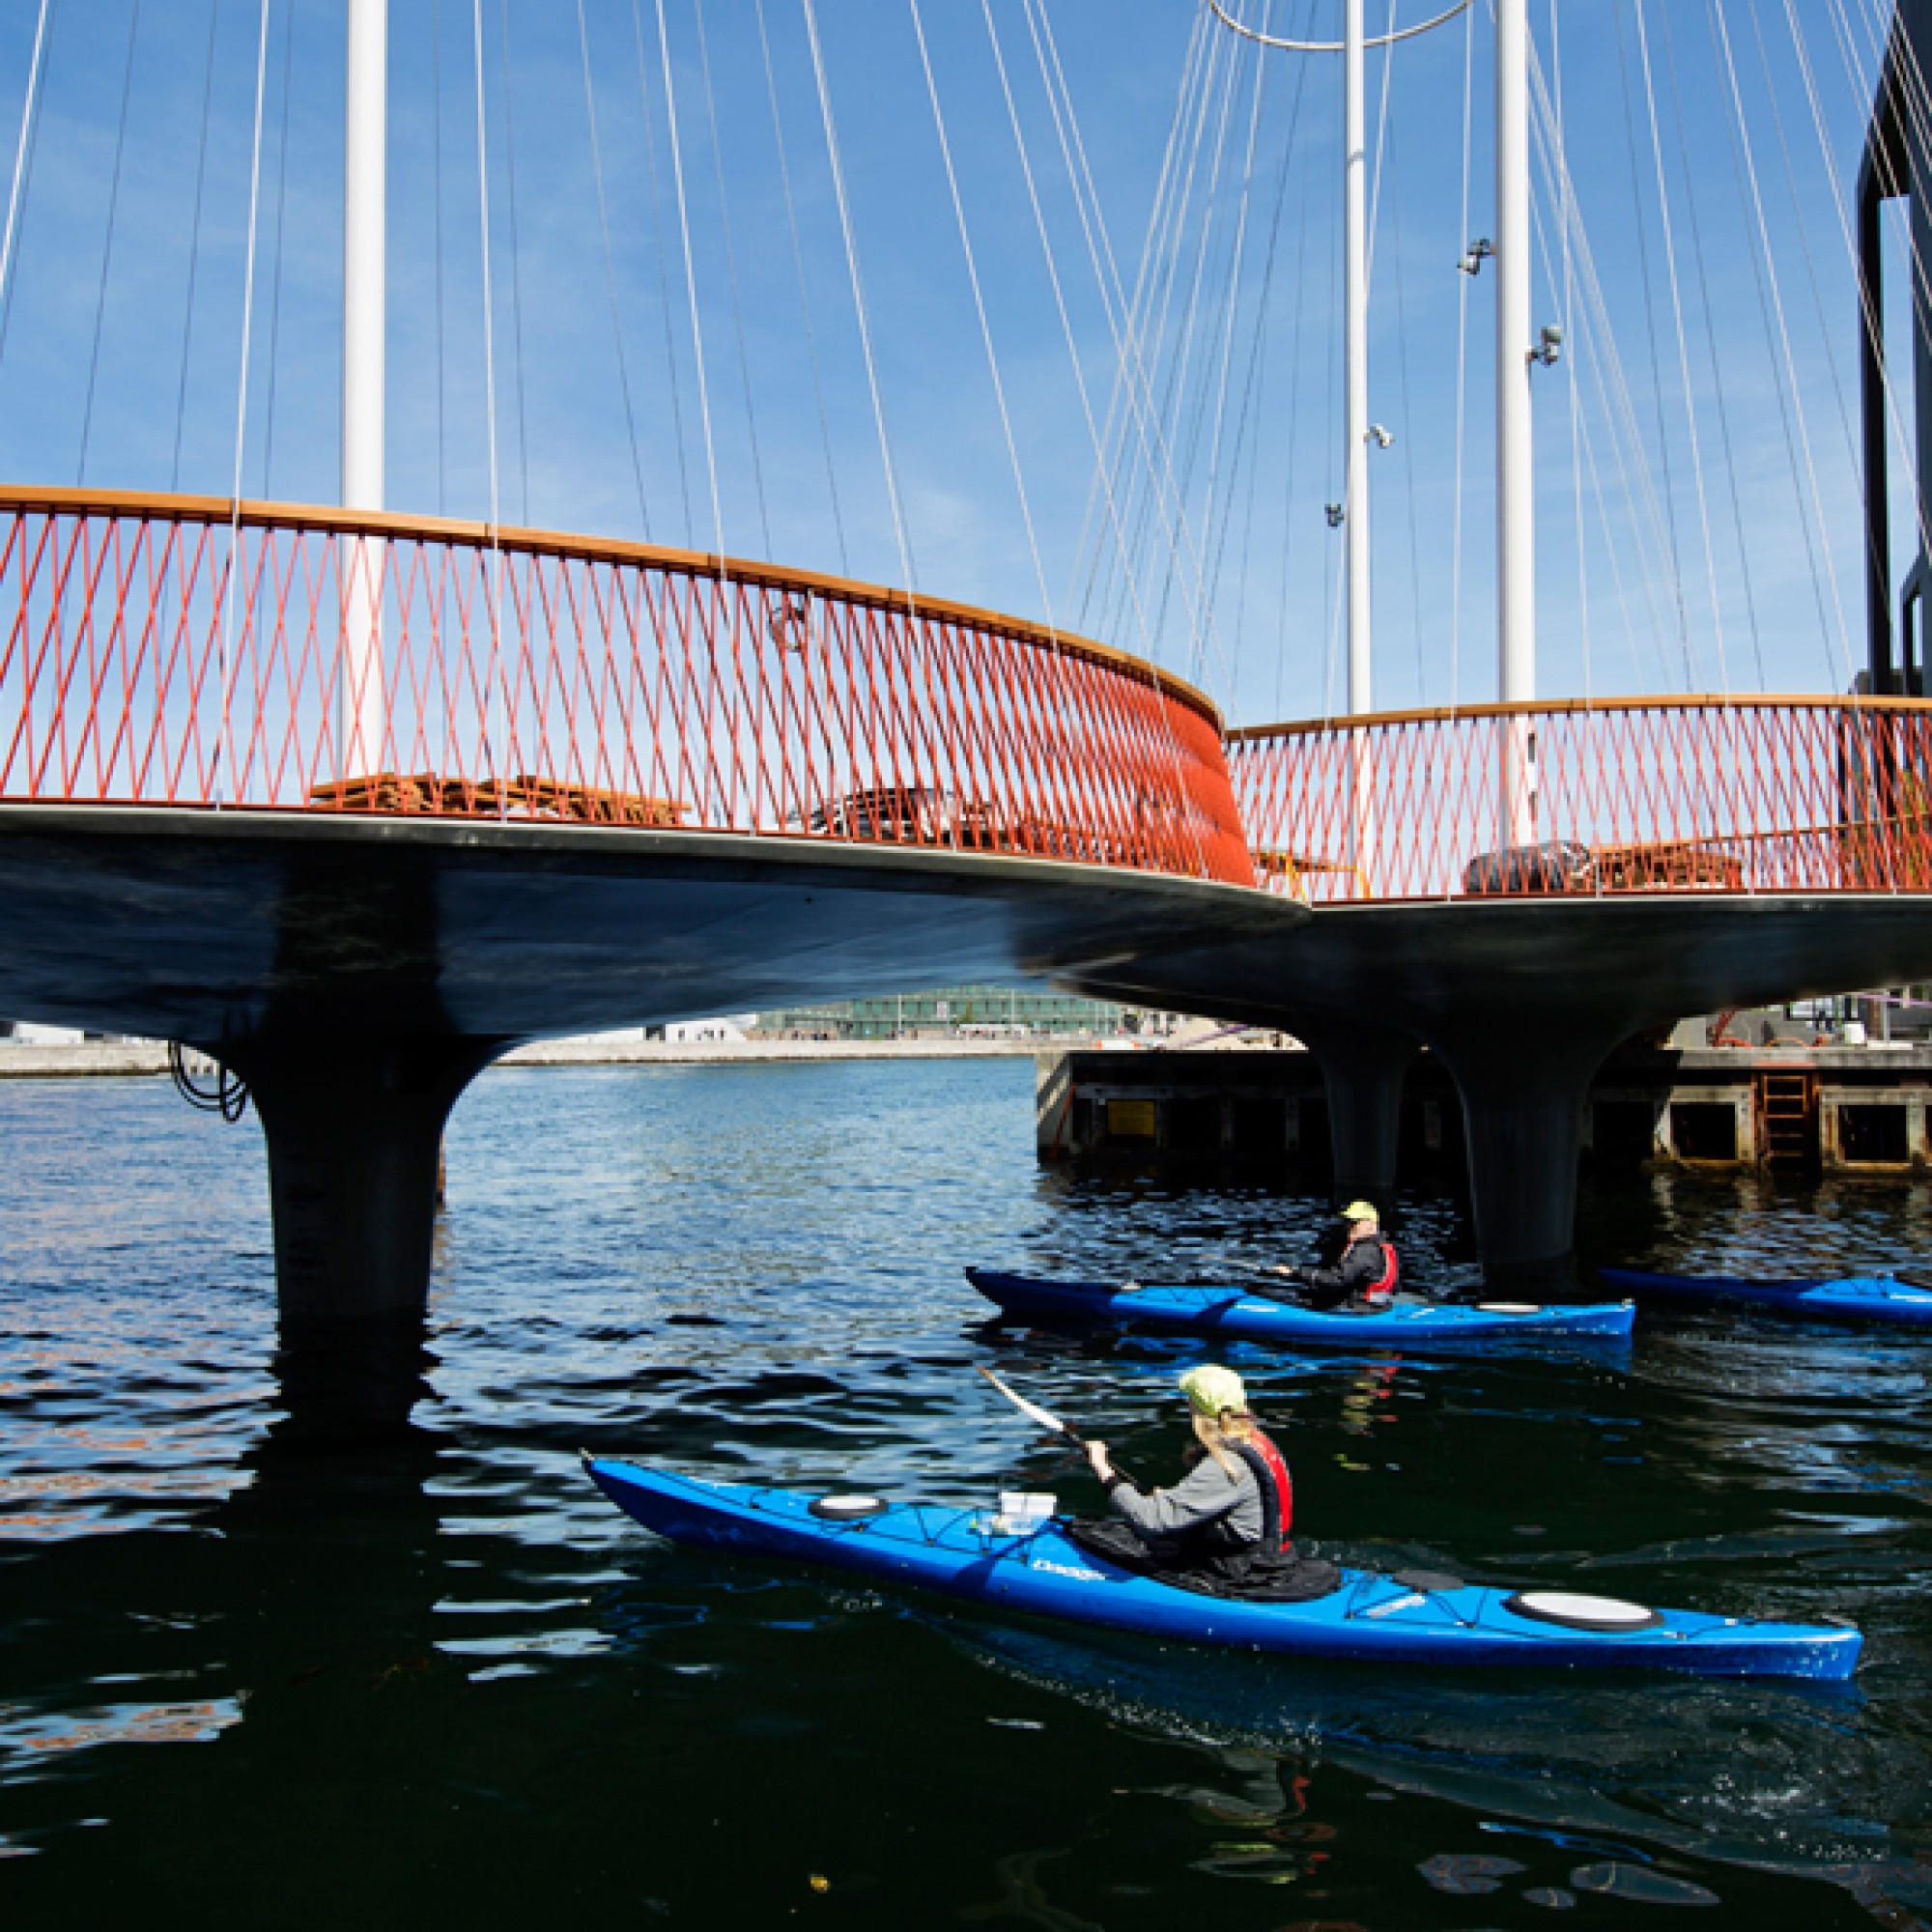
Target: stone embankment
{"points": [[594, 1052], [145, 1057]]}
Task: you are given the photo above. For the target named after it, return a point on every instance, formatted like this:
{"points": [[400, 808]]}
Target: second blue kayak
{"points": [[1854, 1299], [1235, 1314]]}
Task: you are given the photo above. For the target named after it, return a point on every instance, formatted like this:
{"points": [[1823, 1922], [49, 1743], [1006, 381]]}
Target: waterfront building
{"points": [[1001, 1011]]}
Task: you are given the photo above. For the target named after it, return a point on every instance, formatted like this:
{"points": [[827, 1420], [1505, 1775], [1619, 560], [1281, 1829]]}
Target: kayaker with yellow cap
{"points": [[1361, 1280], [1235, 1503]]}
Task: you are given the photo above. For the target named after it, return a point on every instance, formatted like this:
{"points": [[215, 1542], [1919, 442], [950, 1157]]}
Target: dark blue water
{"points": [[289, 1642]]}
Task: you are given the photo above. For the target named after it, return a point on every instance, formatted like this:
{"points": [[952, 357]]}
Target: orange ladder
{"points": [[1788, 1119]]}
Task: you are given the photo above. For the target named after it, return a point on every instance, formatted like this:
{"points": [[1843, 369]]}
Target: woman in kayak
{"points": [[1361, 1279], [1236, 1502]]}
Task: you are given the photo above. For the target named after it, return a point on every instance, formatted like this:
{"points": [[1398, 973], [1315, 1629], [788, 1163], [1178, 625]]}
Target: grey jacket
{"points": [[1206, 1496]]}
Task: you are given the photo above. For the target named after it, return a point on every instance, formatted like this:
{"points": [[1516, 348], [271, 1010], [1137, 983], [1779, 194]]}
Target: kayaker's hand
{"points": [[1293, 1273], [1096, 1455]]}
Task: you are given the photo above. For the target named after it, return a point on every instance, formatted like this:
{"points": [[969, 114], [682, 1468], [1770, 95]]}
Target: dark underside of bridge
{"points": [[358, 973], [1522, 1000]]}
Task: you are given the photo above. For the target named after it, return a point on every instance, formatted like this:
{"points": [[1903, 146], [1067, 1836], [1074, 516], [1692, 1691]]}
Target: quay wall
{"points": [[131, 1058], [1838, 1109]]}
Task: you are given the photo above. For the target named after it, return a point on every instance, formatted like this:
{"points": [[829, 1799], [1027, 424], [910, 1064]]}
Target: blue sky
{"points": [[1719, 544]]}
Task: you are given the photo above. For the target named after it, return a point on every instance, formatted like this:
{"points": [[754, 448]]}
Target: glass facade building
{"points": [[982, 1010]]}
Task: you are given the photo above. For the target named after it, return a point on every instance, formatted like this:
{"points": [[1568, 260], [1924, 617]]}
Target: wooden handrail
{"points": [[251, 514], [1557, 707]]}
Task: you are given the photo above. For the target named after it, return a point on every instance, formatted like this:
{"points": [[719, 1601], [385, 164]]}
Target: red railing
{"points": [[1616, 796], [188, 651]]}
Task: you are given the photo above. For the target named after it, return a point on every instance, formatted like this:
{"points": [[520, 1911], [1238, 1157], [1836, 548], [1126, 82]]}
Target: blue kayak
{"points": [[1233, 1313], [1855, 1298], [1368, 1615]]}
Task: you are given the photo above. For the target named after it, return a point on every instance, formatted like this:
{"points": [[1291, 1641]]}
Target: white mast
{"points": [[1355, 331], [364, 311], [1516, 503]]}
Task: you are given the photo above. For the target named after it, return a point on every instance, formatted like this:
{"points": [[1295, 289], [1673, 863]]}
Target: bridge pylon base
{"points": [[1524, 1087], [1363, 1066], [355, 1132]]}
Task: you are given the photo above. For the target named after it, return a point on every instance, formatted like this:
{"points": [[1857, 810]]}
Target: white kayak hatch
{"points": [[848, 1509], [1574, 1611]]}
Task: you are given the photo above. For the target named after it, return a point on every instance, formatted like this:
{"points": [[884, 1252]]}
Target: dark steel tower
{"points": [[1897, 161]]}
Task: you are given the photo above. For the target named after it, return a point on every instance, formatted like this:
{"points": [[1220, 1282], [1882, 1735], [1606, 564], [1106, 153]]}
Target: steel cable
{"points": [[731, 270], [194, 244], [107, 246], [507, 70], [804, 300], [24, 153], [611, 273], [843, 202], [224, 772], [276, 287]]}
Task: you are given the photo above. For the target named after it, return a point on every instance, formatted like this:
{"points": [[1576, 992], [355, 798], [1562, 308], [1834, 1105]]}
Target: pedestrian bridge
{"points": [[356, 802]]}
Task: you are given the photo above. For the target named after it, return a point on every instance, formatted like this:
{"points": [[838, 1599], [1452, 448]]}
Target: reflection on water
{"points": [[341, 1633]]}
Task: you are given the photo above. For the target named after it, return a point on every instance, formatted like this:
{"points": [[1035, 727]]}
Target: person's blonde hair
{"points": [[1214, 1433]]}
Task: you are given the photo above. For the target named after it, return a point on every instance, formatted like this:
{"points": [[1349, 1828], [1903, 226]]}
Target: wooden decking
{"points": [[521, 797]]}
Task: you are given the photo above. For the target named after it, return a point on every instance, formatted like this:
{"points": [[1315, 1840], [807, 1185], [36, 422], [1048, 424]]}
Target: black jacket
{"points": [[1346, 1280]]}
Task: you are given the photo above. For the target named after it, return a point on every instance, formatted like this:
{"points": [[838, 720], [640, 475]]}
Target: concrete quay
{"points": [[593, 1051], [1854, 1110], [110, 1057], [123, 1059]]}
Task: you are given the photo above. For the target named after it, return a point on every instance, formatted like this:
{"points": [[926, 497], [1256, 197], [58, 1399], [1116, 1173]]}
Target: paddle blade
{"points": [[1032, 1412]]}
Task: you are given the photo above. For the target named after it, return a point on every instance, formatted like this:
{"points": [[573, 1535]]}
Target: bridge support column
{"points": [[1363, 1065], [1524, 1079], [354, 1128]]}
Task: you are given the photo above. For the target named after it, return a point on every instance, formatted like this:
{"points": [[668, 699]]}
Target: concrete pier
{"points": [[359, 971], [354, 1138], [1835, 1110], [1525, 993], [1363, 1067]]}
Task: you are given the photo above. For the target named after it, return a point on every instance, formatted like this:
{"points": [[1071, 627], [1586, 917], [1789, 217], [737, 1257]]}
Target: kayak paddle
{"points": [[1043, 1419]]}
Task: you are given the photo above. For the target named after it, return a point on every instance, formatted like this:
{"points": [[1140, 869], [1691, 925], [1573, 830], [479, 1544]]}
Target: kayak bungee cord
{"points": [[1356, 1608]]}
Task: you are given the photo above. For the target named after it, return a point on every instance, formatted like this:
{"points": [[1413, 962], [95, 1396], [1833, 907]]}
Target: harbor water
{"points": [[316, 1639]]}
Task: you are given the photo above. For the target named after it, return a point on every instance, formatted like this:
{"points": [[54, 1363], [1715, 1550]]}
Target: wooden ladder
{"points": [[1788, 1119]]}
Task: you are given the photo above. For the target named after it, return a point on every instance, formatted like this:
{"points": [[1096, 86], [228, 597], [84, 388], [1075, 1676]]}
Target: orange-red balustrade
{"points": [[190, 651], [1612, 796]]}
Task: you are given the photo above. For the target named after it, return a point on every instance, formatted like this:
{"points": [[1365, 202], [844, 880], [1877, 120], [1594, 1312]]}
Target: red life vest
{"points": [[1276, 1485], [1382, 1291]]}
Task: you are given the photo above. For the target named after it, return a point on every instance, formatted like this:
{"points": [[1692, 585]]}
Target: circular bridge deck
{"points": [[271, 768], [190, 651]]}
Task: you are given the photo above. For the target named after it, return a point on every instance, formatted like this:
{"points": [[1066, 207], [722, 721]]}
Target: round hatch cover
{"points": [[1586, 1613], [848, 1509]]}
